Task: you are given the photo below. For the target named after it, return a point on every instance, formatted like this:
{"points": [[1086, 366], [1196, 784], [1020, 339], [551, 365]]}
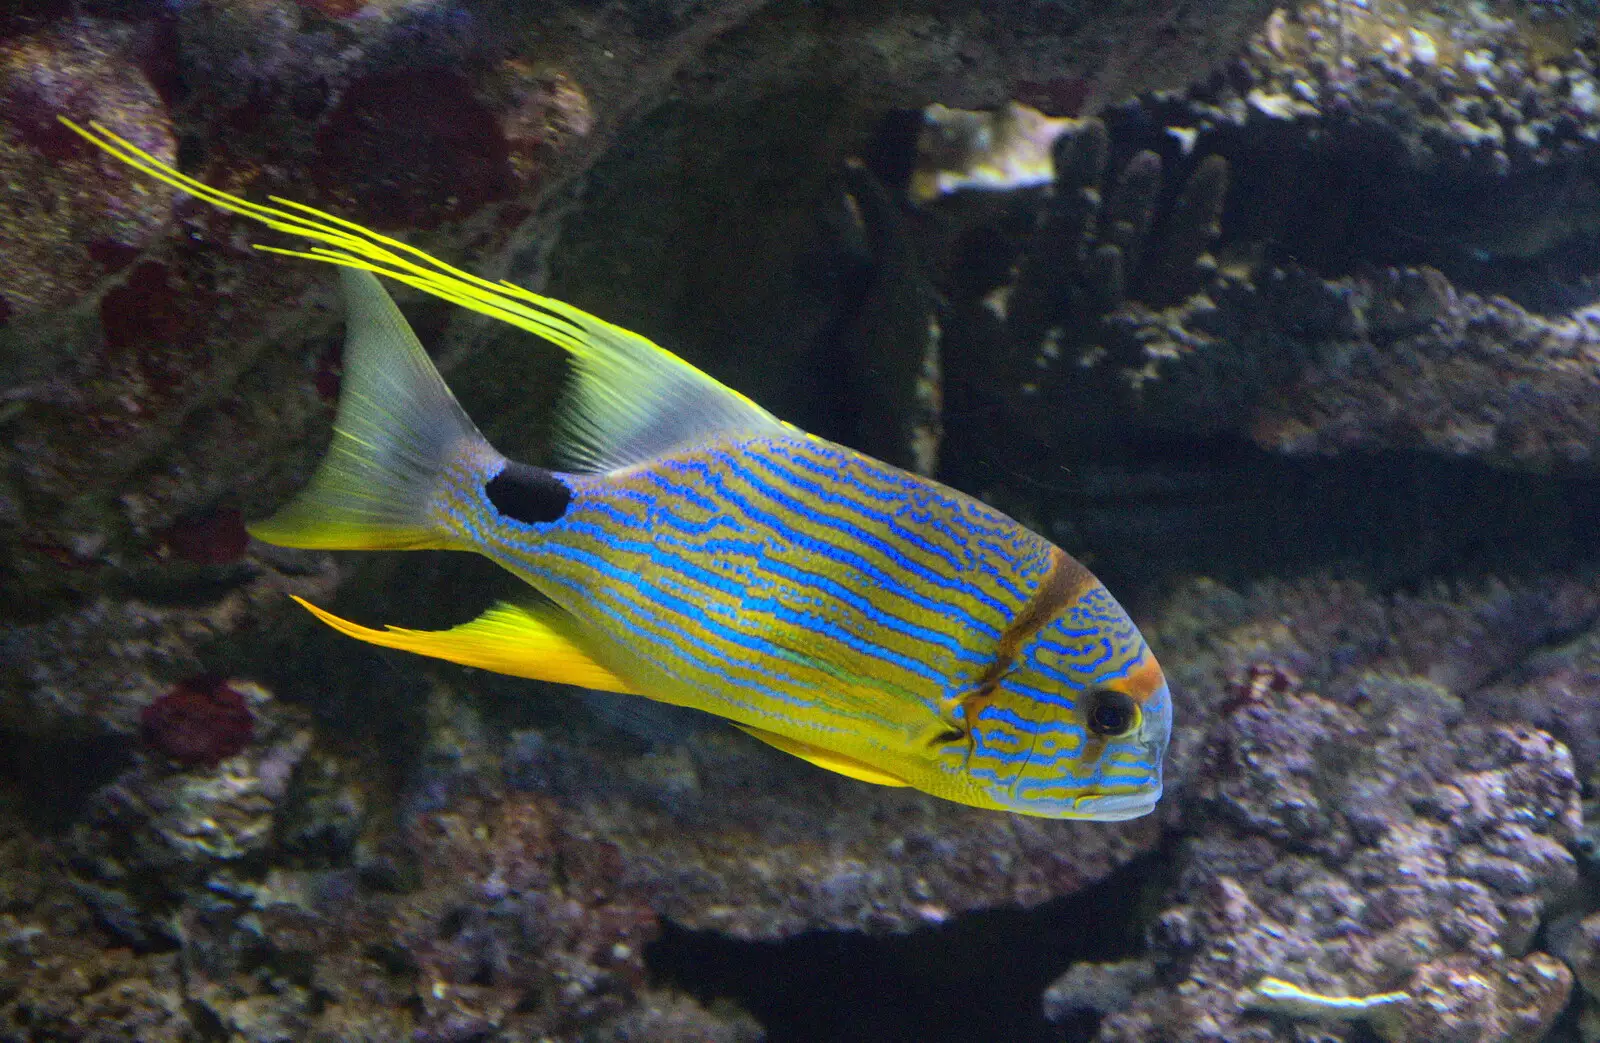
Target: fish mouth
{"points": [[1092, 804], [1116, 807], [1120, 803], [1156, 733]]}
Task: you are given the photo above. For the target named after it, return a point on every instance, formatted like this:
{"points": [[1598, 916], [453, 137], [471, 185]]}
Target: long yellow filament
{"points": [[592, 341], [353, 246]]}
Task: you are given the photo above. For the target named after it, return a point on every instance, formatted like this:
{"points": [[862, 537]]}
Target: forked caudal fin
{"points": [[398, 431]]}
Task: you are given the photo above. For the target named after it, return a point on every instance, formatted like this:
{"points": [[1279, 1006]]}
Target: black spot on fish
{"points": [[528, 494]]}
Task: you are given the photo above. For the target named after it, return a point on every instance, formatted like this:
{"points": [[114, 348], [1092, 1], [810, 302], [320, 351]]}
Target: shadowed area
{"points": [[976, 979]]}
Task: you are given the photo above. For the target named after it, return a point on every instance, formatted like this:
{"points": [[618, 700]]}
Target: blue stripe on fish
{"points": [[900, 561], [874, 575], [799, 578]]}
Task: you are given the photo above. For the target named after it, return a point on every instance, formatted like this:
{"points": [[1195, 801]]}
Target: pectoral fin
{"points": [[836, 762], [508, 639]]}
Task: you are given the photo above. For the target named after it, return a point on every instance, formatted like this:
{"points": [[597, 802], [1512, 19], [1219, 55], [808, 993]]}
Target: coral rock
{"points": [[69, 216], [1456, 1001], [413, 148], [1354, 846], [203, 720]]}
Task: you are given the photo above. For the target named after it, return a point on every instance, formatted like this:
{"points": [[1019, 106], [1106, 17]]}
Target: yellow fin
{"points": [[508, 639], [398, 434], [836, 762], [633, 399]]}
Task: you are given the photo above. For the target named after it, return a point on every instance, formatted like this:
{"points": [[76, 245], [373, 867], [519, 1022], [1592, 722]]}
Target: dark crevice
{"points": [[1144, 506], [975, 979], [1359, 195], [51, 776]]}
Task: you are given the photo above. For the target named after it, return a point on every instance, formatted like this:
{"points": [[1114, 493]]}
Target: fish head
{"points": [[1077, 724]]}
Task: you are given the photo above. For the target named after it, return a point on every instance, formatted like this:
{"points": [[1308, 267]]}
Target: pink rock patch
{"points": [[413, 148], [67, 209], [200, 721]]}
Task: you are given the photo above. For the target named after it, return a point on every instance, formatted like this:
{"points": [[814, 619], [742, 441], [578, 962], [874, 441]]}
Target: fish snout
{"points": [[1143, 755], [1043, 758]]}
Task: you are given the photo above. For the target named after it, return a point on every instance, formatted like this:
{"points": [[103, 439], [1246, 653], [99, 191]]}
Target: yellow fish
{"points": [[701, 552]]}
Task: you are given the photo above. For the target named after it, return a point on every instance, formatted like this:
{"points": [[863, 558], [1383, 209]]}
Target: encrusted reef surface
{"points": [[512, 927], [1372, 231], [140, 337], [1358, 832], [1337, 231], [226, 824]]}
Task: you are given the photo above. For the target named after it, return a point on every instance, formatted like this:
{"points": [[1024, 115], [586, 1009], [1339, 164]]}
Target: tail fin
{"points": [[398, 431]]}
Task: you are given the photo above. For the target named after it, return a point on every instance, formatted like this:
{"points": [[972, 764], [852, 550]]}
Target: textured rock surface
{"points": [[722, 837], [513, 927], [1368, 793], [1356, 831], [167, 344], [1356, 828], [65, 228], [1391, 171], [1578, 942]]}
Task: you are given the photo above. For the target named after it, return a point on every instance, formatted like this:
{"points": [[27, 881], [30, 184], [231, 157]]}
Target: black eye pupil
{"points": [[1110, 713]]}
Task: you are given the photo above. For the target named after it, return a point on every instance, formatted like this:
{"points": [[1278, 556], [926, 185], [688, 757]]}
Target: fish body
{"points": [[1003, 150], [698, 551], [801, 588]]}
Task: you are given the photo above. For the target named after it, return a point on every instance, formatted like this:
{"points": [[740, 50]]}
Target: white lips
{"points": [[1119, 807]]}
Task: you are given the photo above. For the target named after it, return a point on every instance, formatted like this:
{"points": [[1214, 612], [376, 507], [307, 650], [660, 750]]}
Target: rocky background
{"points": [[1300, 353]]}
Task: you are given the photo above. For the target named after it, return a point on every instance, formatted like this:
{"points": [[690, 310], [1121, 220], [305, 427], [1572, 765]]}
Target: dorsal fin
{"points": [[634, 399]]}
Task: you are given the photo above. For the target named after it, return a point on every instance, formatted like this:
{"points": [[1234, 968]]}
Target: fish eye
{"points": [[1111, 713]]}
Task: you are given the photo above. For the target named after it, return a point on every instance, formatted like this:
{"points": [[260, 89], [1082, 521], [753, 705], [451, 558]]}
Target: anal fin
{"points": [[508, 639], [835, 762]]}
